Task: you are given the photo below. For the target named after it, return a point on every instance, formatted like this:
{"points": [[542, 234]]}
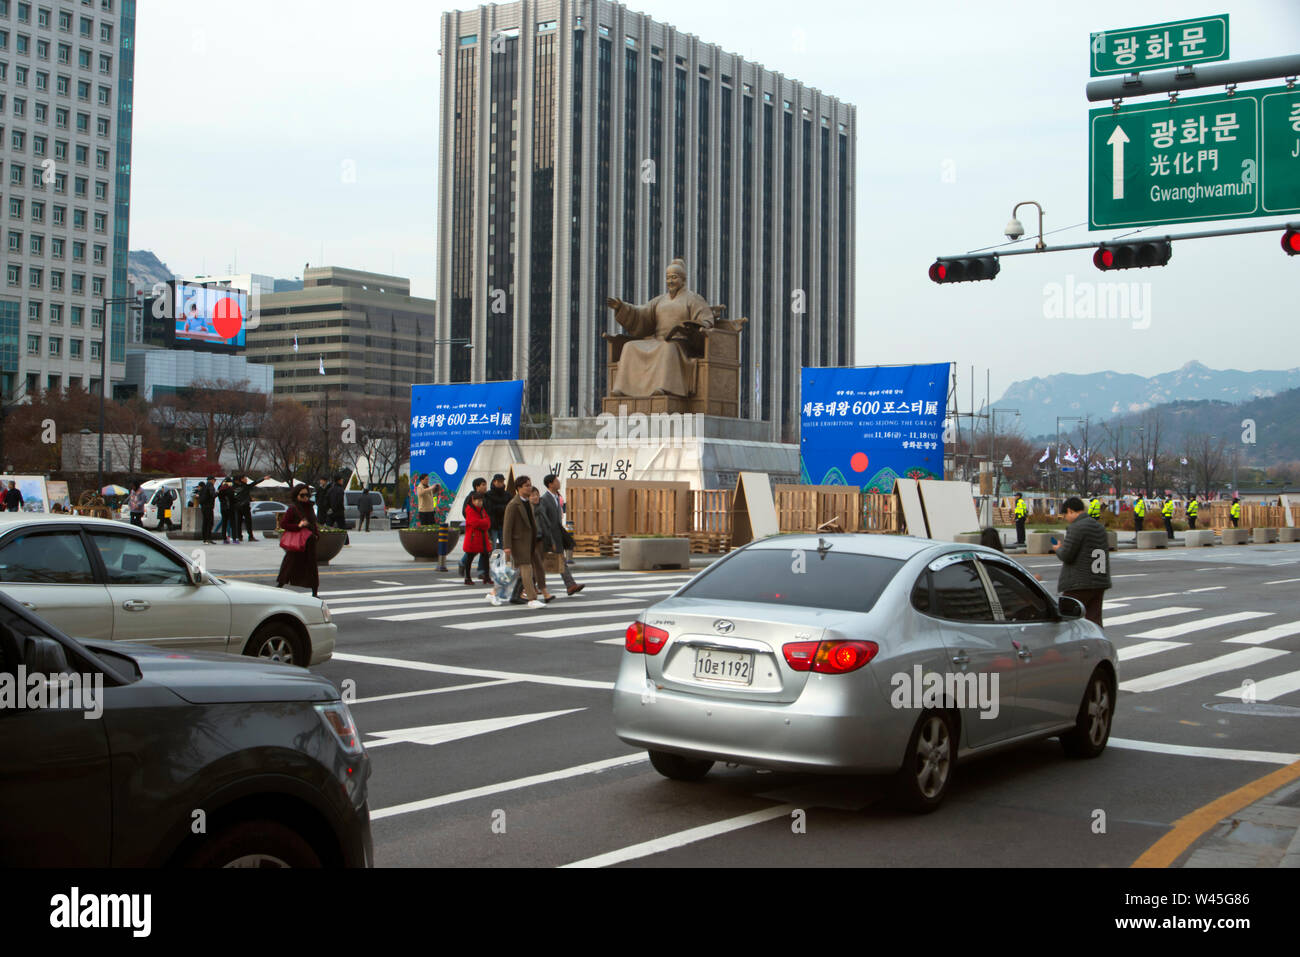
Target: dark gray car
{"points": [[137, 756]]}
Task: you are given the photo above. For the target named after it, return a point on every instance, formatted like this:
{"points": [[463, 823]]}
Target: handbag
{"points": [[295, 540], [566, 538]]}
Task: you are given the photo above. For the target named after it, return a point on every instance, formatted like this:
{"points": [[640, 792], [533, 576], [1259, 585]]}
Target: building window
{"points": [[83, 91], [24, 13], [20, 106], [101, 190], [105, 63], [83, 154], [15, 208], [101, 159], [74, 348], [83, 58], [17, 174], [56, 280], [33, 345], [33, 312], [65, 54], [62, 85], [83, 122], [97, 318], [38, 211], [38, 245], [101, 222], [94, 350], [40, 114], [56, 346], [78, 219], [60, 149], [105, 96], [35, 278], [15, 242], [18, 140], [42, 49], [60, 215], [65, 21], [101, 126], [14, 275], [75, 315], [42, 81], [97, 288], [99, 254], [56, 313], [78, 251], [38, 145], [80, 187], [105, 33], [78, 283]]}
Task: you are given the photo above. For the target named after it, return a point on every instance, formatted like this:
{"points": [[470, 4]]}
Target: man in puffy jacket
{"points": [[1167, 511], [1021, 513], [1193, 509], [1085, 558], [1139, 512]]}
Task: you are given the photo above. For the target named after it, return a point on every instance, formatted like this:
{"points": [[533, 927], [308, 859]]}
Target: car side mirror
{"points": [[44, 656], [196, 575], [1070, 608]]}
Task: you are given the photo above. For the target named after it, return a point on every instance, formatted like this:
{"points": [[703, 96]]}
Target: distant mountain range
{"points": [[145, 269], [1108, 395]]}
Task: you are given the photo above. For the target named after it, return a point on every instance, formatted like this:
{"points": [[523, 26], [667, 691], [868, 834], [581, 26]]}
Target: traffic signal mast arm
{"points": [[1148, 251]]}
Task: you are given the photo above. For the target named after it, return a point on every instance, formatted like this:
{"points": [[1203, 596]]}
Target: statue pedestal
{"points": [[625, 420]]}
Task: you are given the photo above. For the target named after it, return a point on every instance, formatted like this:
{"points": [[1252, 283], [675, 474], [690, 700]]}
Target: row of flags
{"points": [[322, 358], [1072, 457]]}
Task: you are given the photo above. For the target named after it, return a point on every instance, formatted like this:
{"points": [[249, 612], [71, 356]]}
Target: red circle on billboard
{"points": [[859, 462], [227, 318]]}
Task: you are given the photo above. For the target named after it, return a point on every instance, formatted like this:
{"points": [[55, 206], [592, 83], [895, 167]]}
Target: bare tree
{"points": [[284, 437], [215, 408], [1207, 456]]}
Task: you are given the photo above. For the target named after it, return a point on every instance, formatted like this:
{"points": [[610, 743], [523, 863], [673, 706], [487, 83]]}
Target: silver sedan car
{"points": [[862, 654], [95, 578]]}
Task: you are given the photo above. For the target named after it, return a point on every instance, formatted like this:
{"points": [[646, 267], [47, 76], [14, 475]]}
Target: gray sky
{"points": [[251, 116]]}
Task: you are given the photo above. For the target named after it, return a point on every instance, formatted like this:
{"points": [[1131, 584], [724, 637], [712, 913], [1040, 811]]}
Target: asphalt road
{"points": [[490, 732]]}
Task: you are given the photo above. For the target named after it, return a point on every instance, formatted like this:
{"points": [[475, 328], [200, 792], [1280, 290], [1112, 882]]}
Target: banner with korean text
{"points": [[449, 421], [866, 427]]}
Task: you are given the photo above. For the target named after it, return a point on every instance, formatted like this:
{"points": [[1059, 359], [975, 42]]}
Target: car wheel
{"points": [[1092, 726], [265, 844], [679, 768], [926, 774], [278, 642]]}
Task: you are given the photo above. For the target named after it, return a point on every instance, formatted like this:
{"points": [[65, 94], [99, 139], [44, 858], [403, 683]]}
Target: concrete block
{"points": [[1152, 539], [1040, 543], [1201, 536], [1263, 536], [1288, 534], [1112, 539], [639, 554], [1235, 536]]}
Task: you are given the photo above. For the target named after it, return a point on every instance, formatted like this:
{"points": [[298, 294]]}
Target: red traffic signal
{"points": [[1291, 241], [1133, 255], [966, 269]]}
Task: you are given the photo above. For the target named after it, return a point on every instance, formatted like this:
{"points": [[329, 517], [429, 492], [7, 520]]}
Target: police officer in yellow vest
{"points": [[1235, 512], [1094, 508], [1139, 512], [1021, 513], [1167, 510], [1193, 508]]}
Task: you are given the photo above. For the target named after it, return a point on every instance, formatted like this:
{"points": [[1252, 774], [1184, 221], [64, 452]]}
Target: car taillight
{"points": [[829, 657], [644, 639], [338, 719]]}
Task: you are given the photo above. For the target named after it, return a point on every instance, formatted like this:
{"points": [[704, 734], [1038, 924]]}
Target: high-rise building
{"points": [[583, 147], [66, 74], [350, 331]]}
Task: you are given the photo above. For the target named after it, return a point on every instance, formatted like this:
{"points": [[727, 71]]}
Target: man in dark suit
{"points": [[207, 496], [336, 504], [244, 508], [551, 521]]}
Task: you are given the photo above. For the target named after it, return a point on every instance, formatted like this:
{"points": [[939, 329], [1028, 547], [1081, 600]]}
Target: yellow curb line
{"points": [[1191, 827]]}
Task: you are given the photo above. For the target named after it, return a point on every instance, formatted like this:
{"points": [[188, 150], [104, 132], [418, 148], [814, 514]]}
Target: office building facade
{"points": [[66, 74], [583, 147], [366, 330]]}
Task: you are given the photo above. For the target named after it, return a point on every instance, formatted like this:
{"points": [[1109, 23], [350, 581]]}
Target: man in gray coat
{"points": [[551, 524], [1085, 555]]}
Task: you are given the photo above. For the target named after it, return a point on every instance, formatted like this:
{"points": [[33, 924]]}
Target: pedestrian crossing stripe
{"points": [[1201, 624], [470, 598], [1266, 689], [1202, 669]]}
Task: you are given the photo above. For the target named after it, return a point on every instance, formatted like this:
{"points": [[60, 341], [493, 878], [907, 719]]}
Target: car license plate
{"points": [[729, 666]]}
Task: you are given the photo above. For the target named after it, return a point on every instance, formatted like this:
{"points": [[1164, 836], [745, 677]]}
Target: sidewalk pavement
{"points": [[1263, 834], [369, 551]]}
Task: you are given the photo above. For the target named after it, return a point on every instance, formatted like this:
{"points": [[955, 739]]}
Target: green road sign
{"points": [[1204, 158], [1159, 45]]}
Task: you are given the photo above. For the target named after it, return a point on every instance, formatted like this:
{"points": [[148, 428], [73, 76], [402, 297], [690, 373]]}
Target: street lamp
{"points": [[467, 343], [103, 371], [993, 422]]}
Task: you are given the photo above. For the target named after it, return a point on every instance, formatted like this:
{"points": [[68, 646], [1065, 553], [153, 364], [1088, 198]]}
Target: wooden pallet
{"points": [[710, 543], [588, 545]]}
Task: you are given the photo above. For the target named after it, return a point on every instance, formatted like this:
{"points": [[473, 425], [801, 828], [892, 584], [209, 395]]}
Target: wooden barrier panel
{"points": [[590, 508], [1217, 515], [880, 514], [711, 510], [653, 511]]}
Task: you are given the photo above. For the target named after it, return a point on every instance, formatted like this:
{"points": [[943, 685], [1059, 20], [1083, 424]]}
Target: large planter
{"points": [[423, 545], [328, 546], [644, 554]]}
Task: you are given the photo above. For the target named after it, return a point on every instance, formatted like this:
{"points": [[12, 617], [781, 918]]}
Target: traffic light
{"points": [[1133, 255], [966, 269], [1291, 241]]}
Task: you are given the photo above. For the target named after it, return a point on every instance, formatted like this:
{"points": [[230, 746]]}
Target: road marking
{"points": [[594, 767], [485, 610], [611, 641], [682, 838], [1266, 635], [535, 615], [570, 632], [432, 734], [397, 603], [1148, 648], [1284, 581], [473, 672], [1197, 591], [1202, 624], [1268, 688], [1147, 615], [1131, 575], [451, 584], [382, 582], [417, 694], [1163, 594], [1201, 669], [1189, 751], [1190, 827]]}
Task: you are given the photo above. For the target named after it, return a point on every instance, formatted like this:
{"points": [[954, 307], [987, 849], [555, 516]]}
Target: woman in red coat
{"points": [[299, 568], [477, 524]]}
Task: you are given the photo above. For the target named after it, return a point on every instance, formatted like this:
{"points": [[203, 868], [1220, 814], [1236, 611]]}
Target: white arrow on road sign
{"points": [[1117, 141], [442, 733]]}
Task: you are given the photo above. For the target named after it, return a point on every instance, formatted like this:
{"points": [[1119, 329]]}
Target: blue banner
{"points": [[449, 421], [867, 427]]}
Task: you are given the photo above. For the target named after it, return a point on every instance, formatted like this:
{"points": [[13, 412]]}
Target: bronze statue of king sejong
{"points": [[665, 334]]}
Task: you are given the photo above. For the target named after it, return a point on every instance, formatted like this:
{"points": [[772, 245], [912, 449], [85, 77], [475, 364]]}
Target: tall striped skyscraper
{"points": [[583, 147]]}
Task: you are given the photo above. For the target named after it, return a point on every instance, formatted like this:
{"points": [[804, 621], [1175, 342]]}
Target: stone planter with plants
{"points": [[421, 542], [329, 543]]}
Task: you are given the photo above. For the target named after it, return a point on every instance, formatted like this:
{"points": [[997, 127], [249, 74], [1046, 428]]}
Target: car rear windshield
{"points": [[834, 580]]}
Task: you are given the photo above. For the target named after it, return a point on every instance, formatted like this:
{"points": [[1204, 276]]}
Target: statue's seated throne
{"points": [[715, 357]]}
